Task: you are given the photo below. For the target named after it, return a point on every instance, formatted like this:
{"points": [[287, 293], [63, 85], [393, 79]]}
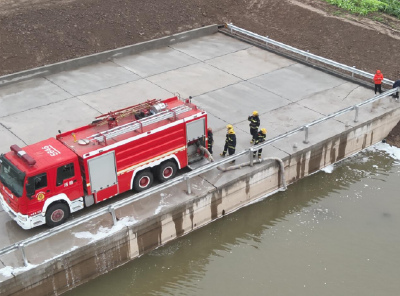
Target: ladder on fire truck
{"points": [[139, 124]]}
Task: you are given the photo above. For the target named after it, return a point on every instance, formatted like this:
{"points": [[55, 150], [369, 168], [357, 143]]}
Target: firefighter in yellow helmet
{"points": [[230, 142], [254, 124], [260, 137]]}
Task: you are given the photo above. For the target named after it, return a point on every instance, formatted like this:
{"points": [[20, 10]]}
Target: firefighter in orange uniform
{"points": [[378, 81]]}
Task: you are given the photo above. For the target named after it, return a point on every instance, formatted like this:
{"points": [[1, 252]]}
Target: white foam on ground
{"points": [[104, 231], [328, 169], [9, 271], [392, 151]]}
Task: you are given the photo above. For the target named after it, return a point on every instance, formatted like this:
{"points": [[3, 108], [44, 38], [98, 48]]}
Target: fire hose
{"points": [[239, 166]]}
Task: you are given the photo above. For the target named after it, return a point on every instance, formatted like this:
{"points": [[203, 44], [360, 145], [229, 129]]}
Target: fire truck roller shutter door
{"points": [[103, 176], [195, 129]]}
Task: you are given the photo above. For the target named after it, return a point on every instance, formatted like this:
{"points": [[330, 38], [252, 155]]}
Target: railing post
{"points": [[251, 157], [307, 56], [112, 212], [356, 108], [352, 73], [306, 134], [266, 42], [21, 247], [189, 187]]}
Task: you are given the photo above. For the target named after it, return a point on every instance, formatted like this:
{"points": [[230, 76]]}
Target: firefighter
{"points": [[254, 124], [259, 139], [210, 140], [230, 142], [396, 84], [378, 81]]}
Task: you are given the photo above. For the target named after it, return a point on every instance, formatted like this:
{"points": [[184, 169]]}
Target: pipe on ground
{"points": [[239, 166]]}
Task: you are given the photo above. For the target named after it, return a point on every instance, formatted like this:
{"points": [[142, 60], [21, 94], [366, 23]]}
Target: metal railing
{"points": [[353, 70], [186, 177]]}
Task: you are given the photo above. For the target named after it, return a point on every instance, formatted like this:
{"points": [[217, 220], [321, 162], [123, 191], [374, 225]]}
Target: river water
{"points": [[333, 233]]}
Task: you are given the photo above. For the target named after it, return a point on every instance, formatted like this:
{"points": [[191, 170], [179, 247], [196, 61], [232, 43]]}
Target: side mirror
{"points": [[30, 189]]}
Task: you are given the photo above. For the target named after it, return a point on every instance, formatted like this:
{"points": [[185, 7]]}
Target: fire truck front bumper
{"points": [[25, 221]]}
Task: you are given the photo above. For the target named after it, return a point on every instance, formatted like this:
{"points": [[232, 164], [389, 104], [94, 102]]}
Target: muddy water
{"points": [[332, 233]]}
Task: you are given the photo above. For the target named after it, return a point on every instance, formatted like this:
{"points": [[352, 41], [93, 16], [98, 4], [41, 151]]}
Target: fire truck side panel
{"points": [[103, 176], [146, 152]]}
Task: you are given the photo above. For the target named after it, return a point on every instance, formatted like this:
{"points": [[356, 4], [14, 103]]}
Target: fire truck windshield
{"points": [[11, 177]]}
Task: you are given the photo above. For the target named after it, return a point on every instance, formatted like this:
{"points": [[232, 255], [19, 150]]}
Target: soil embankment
{"points": [[394, 136], [39, 32]]}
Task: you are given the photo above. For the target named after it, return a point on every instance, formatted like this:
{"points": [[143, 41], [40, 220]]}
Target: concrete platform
{"points": [[226, 77]]}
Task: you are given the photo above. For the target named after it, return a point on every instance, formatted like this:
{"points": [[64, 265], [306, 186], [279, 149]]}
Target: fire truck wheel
{"points": [[166, 171], [57, 214], [142, 181]]}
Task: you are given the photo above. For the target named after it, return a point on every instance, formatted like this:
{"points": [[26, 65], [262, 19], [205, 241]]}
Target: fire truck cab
{"points": [[45, 182], [43, 178]]}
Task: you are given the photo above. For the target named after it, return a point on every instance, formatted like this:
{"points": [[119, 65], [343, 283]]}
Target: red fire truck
{"points": [[122, 150]]}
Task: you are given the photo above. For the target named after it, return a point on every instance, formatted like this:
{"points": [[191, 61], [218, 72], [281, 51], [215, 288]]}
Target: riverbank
{"points": [[394, 136], [43, 32]]}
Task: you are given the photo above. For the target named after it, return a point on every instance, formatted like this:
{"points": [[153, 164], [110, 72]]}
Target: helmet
{"points": [[255, 113], [231, 131], [229, 126], [378, 71], [264, 131]]}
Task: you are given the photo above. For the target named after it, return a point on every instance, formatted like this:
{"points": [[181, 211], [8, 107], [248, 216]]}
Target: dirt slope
{"points": [[38, 32]]}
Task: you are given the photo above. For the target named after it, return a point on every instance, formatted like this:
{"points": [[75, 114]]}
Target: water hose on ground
{"points": [[239, 166]]}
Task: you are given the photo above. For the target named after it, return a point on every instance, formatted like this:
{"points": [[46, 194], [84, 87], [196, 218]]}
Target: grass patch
{"points": [[338, 13], [378, 19], [365, 7]]}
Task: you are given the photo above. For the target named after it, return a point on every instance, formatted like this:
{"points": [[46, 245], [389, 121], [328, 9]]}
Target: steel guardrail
{"points": [[306, 54], [186, 177]]}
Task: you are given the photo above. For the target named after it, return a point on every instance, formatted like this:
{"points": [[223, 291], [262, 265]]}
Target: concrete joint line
{"points": [[58, 86], [278, 95], [133, 72], [51, 103], [199, 62], [184, 53], [215, 67], [228, 53], [350, 92], [158, 85], [89, 105], [208, 182], [8, 129]]}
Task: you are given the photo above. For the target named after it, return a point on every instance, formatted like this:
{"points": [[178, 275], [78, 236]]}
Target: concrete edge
{"points": [[107, 55]]}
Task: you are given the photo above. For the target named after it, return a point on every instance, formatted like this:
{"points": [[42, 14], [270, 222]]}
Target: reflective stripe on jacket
{"points": [[254, 121]]}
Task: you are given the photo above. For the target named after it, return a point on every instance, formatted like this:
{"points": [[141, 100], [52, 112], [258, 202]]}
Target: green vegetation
{"points": [[378, 19], [364, 7], [338, 13]]}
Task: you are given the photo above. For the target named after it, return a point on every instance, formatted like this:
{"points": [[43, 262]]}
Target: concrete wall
{"points": [[107, 55], [83, 264]]}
